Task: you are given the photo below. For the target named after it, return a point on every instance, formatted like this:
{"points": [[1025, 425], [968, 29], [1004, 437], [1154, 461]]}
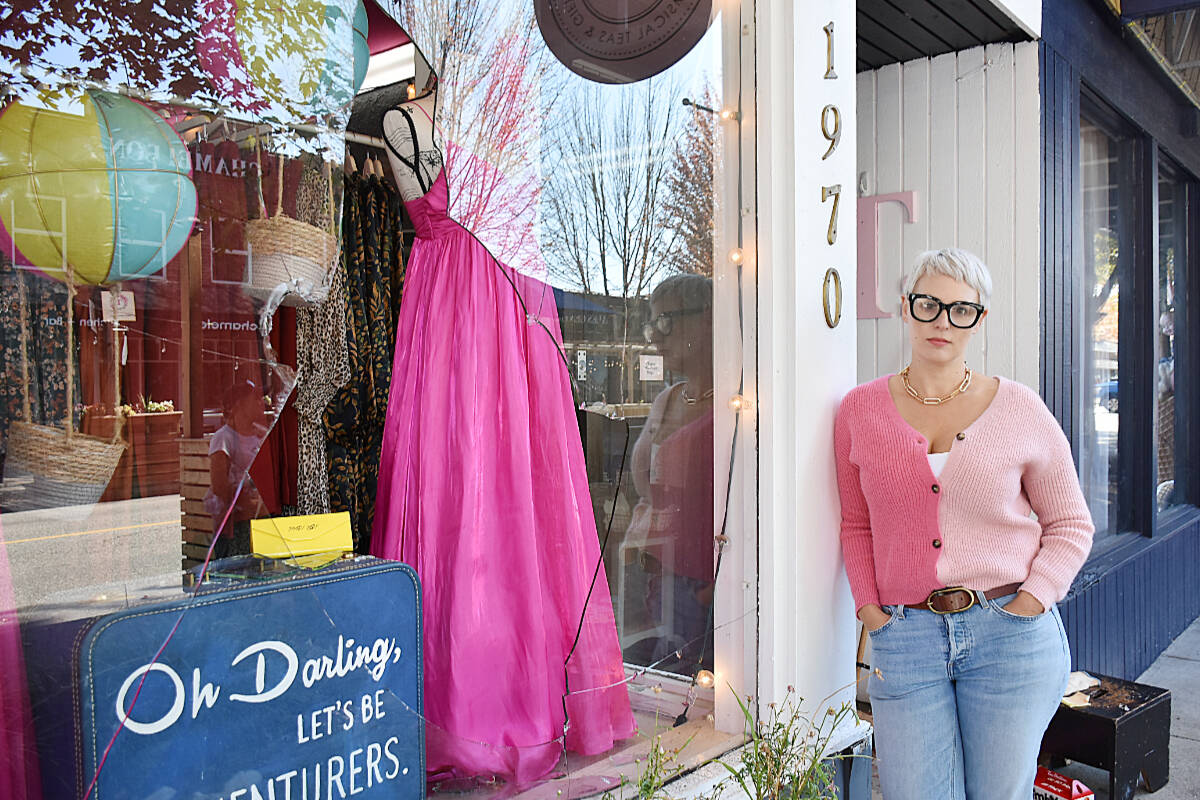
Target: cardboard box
{"points": [[1052, 786]]}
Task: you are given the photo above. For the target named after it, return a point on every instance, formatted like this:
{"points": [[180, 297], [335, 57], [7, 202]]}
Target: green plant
{"points": [[145, 405], [659, 767], [785, 755]]}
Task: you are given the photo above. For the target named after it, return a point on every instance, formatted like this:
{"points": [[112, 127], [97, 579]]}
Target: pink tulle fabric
{"points": [[483, 490], [19, 777]]}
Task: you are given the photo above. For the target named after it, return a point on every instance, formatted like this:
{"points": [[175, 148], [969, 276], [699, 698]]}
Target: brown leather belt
{"points": [[957, 598]]}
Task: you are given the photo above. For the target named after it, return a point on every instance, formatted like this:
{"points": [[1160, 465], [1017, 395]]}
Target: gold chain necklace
{"points": [[691, 401], [935, 401]]}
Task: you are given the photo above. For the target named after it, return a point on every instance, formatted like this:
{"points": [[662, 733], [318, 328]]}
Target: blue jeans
{"points": [[964, 700]]}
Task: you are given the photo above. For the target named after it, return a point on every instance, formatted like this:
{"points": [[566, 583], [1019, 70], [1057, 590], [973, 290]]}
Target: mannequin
{"points": [[411, 137]]}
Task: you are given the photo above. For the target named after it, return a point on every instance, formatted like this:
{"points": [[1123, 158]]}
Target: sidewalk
{"points": [[1177, 669]]}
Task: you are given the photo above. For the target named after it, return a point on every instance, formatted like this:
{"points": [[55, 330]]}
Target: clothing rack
{"points": [[363, 139]]}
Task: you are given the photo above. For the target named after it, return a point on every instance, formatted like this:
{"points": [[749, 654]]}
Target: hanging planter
{"points": [[289, 259]]}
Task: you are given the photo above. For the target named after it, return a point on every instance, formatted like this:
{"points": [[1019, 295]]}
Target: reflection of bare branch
{"points": [[492, 82], [691, 201], [604, 203]]}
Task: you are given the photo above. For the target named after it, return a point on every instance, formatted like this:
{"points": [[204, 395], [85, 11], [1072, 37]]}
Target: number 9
{"points": [[834, 136]]}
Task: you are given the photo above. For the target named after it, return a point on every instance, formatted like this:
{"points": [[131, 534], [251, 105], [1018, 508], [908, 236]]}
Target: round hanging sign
{"points": [[621, 42]]}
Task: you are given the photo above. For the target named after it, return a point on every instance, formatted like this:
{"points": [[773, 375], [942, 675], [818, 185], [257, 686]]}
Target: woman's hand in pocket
{"points": [[1024, 605], [873, 617]]}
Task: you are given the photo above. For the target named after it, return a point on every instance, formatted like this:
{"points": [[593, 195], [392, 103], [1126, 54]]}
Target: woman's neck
{"points": [[699, 377], [936, 380]]}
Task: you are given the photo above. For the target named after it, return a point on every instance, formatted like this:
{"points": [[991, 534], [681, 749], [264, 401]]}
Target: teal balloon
{"points": [[362, 52]]}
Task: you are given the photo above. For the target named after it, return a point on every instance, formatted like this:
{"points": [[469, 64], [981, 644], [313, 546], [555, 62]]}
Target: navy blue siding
{"points": [[1131, 600], [1060, 182], [1120, 624]]}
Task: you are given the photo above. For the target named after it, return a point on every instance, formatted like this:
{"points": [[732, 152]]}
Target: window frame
{"points": [[1141, 158]]}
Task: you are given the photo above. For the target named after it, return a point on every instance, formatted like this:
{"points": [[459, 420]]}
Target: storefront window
{"points": [[635, 174], [1103, 262], [1172, 254], [214, 322]]}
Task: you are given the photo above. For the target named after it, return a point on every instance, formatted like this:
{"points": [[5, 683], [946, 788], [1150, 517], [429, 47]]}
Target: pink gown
{"points": [[483, 490]]}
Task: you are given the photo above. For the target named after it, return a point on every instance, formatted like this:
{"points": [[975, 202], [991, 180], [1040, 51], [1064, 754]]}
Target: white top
{"points": [[937, 462]]}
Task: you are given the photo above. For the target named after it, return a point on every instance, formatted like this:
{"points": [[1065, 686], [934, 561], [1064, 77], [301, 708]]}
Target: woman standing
{"points": [[955, 580], [672, 466]]}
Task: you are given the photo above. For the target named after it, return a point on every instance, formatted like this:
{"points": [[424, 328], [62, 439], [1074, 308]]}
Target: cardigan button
{"points": [[937, 542], [960, 436], [936, 488]]}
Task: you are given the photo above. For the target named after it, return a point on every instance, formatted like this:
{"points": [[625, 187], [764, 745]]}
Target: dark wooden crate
{"points": [[1126, 729]]}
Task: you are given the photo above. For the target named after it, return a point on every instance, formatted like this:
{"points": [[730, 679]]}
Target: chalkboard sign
{"points": [[297, 688]]}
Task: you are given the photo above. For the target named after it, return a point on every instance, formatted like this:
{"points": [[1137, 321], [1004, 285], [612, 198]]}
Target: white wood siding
{"points": [[961, 131]]}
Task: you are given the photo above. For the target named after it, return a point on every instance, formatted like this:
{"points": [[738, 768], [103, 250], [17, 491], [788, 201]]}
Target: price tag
{"points": [[285, 537], [118, 307]]}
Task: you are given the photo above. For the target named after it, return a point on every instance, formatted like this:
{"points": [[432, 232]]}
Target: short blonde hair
{"points": [[961, 265]]}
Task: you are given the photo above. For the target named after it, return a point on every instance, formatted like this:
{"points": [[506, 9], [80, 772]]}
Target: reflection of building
{"points": [[602, 339], [1104, 340]]}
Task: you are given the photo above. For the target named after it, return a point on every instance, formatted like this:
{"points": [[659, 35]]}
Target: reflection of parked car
{"points": [[1106, 395]]}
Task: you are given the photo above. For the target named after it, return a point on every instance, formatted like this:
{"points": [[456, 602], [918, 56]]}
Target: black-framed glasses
{"points": [[664, 323], [927, 308]]}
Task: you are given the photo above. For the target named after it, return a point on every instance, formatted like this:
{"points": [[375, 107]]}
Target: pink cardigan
{"points": [[906, 533]]}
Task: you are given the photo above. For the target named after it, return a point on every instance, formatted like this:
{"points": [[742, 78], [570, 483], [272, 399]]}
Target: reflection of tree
{"points": [[690, 191], [1105, 254], [49, 48], [142, 45], [492, 79], [605, 205]]}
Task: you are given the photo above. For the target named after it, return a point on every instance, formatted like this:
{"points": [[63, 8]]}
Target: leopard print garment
{"points": [[322, 358]]}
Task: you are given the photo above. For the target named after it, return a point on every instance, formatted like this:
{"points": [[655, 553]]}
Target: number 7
{"points": [[835, 192]]}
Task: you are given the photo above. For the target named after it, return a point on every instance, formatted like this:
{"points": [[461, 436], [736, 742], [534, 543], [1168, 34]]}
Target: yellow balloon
{"points": [[55, 190], [97, 193]]}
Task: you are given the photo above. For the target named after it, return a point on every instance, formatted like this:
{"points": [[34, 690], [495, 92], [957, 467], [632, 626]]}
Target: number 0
{"points": [[832, 316]]}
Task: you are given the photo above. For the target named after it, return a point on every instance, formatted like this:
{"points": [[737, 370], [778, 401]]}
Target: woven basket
{"points": [[287, 251], [287, 255], [52, 467], [57, 469]]}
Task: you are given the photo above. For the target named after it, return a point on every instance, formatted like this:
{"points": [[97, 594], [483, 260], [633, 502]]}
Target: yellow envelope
{"points": [[286, 537]]}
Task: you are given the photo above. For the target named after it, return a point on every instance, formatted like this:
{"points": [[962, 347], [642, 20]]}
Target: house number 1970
{"points": [[831, 129]]}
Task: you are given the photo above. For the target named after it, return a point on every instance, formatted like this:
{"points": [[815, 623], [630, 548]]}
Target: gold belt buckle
{"points": [[948, 590]]}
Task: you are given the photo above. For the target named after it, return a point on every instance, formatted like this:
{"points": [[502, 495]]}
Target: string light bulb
{"points": [[739, 403], [735, 255], [705, 679], [729, 115], [412, 91]]}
